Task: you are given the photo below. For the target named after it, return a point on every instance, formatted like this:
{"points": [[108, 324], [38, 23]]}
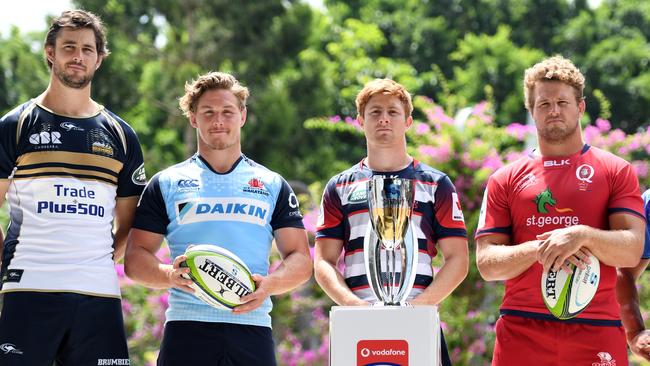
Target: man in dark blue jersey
{"points": [[638, 337], [72, 172], [384, 110]]}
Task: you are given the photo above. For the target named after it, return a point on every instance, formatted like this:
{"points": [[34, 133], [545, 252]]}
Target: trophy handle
{"points": [[371, 245], [410, 256]]}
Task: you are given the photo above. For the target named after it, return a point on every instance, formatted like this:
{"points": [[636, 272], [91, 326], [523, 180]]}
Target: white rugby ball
{"points": [[219, 277], [567, 294]]}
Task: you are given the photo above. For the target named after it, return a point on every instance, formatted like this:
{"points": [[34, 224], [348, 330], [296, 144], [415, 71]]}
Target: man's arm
{"points": [[451, 274], [295, 269], [330, 279], [124, 213], [142, 265], [4, 187], [497, 260], [628, 298], [621, 246]]}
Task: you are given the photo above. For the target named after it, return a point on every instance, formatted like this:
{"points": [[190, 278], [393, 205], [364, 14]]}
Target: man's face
{"points": [[74, 57], [384, 120], [556, 111], [218, 119]]}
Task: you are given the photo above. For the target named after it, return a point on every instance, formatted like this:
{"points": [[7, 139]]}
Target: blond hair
{"points": [[212, 80], [555, 68], [383, 86]]}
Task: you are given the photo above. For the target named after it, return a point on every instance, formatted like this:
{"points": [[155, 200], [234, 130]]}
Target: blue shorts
{"points": [[216, 344], [39, 328]]}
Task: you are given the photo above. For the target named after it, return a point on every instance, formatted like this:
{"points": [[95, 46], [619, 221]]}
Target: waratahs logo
{"points": [[256, 183]]}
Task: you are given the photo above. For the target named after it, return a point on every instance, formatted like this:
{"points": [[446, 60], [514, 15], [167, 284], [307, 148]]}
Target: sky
{"points": [[29, 15]]}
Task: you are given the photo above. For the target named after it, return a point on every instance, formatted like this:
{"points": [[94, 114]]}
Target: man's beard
{"points": [[557, 135], [73, 82]]}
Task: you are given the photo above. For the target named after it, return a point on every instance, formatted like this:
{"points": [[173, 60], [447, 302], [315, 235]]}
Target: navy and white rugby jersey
{"points": [[344, 215], [190, 203], [65, 174]]}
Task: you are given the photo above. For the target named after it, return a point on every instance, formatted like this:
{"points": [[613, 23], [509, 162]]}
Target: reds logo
{"points": [[256, 183], [605, 360]]}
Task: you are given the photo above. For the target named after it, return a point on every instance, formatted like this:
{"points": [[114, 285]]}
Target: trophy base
{"points": [[391, 335]]}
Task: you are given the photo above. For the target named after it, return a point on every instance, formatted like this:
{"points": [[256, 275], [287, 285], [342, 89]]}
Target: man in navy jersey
{"points": [[384, 110], [72, 172], [638, 338], [218, 176]]}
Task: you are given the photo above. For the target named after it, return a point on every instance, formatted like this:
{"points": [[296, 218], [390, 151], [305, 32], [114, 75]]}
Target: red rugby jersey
{"points": [[535, 195]]}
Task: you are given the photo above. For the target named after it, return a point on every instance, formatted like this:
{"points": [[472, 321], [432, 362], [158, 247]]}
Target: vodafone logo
{"points": [[382, 352]]}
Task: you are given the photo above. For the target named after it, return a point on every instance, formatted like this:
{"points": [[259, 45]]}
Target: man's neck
{"points": [[220, 160], [565, 148], [68, 101], [388, 160]]}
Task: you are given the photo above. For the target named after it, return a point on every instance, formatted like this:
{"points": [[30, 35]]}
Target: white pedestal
{"points": [[390, 335]]}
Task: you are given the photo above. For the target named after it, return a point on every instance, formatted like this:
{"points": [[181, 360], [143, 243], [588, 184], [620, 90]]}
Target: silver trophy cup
{"points": [[390, 246]]}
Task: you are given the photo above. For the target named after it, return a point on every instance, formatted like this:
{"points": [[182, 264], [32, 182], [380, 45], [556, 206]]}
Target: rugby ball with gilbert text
{"points": [[566, 294], [219, 277]]}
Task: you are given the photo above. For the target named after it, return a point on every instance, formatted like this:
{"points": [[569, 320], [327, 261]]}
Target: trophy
{"points": [[390, 246]]}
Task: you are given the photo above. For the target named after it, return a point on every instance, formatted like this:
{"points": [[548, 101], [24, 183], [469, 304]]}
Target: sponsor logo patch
{"points": [[457, 211], [382, 352], [7, 348], [45, 138], [223, 209], [550, 213], [70, 126], [605, 360], [139, 177], [256, 185], [113, 361], [584, 173], [13, 275]]}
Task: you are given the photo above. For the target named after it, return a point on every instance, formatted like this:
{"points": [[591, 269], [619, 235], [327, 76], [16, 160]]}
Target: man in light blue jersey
{"points": [[195, 333]]}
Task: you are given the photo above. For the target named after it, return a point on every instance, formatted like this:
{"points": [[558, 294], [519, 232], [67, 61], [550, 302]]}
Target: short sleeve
{"points": [[132, 178], [151, 213], [330, 217], [287, 209], [495, 210]]}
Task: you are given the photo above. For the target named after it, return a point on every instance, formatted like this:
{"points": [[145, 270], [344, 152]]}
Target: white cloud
{"points": [[29, 15]]}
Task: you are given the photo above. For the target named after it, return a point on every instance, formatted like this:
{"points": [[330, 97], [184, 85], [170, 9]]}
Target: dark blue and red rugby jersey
{"points": [[344, 215]]}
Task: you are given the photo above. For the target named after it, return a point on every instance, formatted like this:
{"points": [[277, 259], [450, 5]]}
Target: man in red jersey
{"points": [[551, 208]]}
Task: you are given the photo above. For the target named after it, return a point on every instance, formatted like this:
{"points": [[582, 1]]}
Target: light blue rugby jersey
{"points": [[190, 203]]}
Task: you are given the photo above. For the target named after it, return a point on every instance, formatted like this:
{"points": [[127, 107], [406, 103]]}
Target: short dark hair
{"points": [[78, 19]]}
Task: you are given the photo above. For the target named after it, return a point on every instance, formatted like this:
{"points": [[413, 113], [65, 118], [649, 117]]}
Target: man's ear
{"points": [[48, 51], [244, 114], [360, 119], [192, 118], [100, 58], [409, 121]]}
